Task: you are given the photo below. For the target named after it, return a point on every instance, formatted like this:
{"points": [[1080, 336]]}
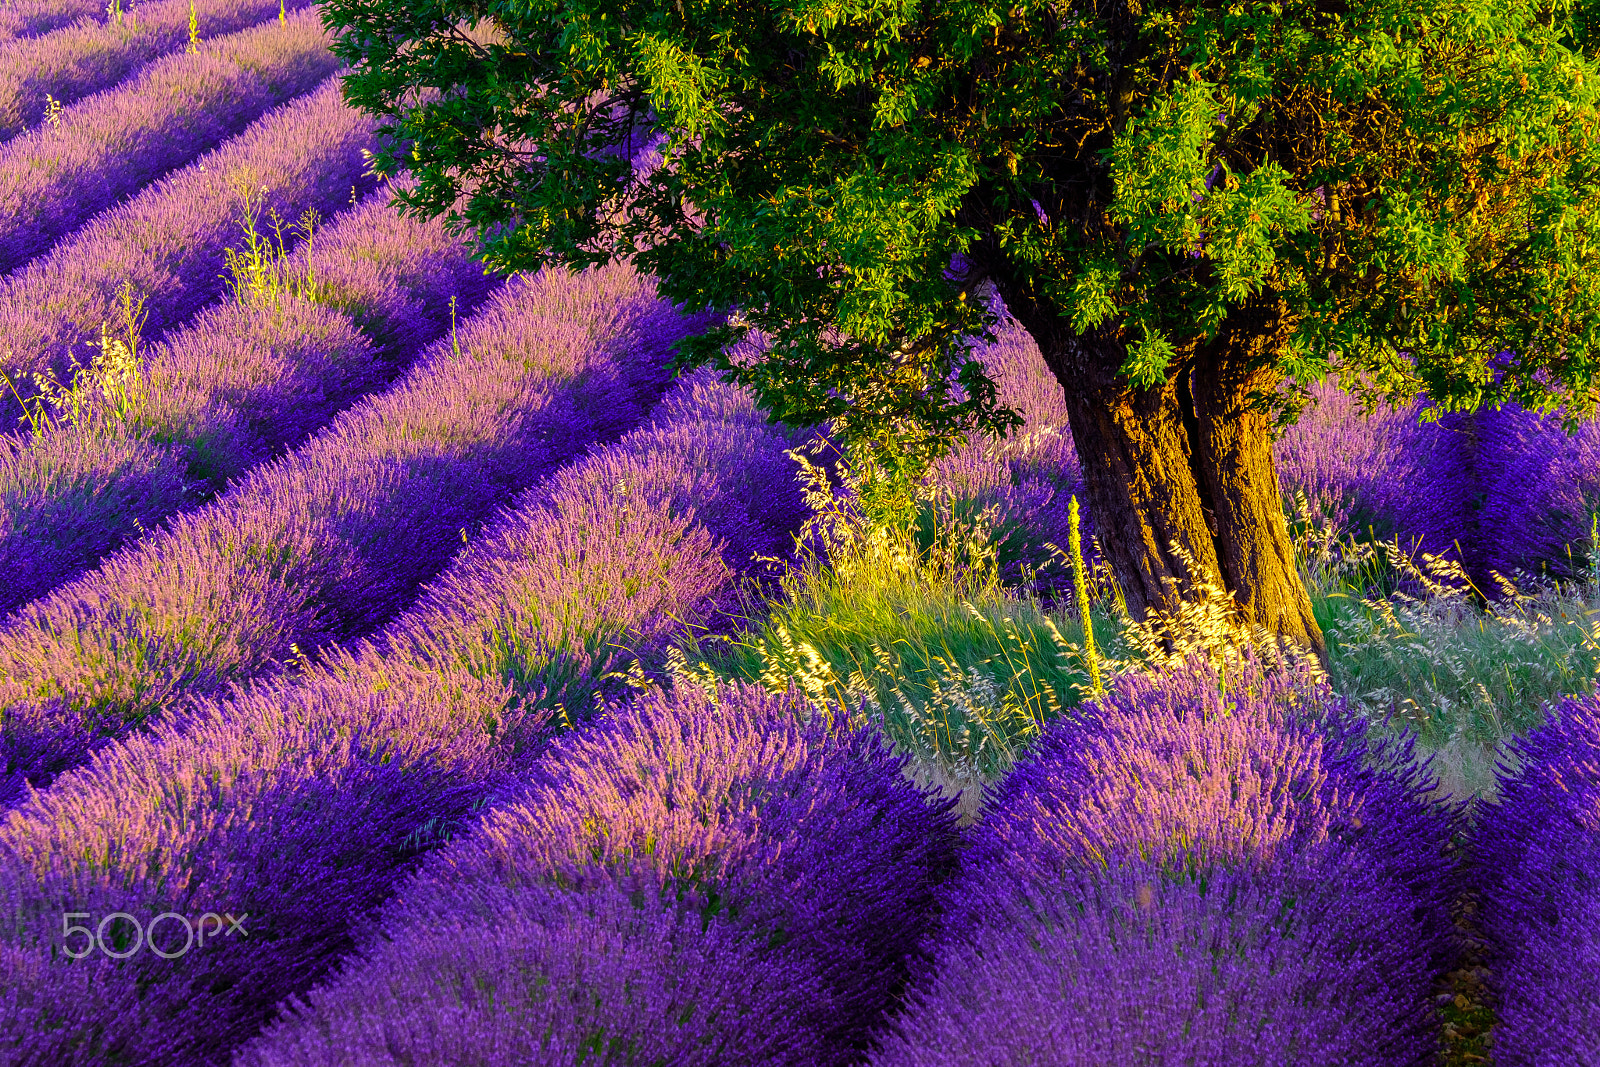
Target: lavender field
{"points": [[399, 665]]}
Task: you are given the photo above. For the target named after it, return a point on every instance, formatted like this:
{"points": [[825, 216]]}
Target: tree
{"points": [[1197, 209]]}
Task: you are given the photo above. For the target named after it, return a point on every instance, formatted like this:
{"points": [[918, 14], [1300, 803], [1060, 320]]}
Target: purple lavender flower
{"points": [[55, 177], [1343, 461], [68, 497], [86, 57], [1172, 769], [1538, 487], [1133, 966], [1183, 873], [1497, 489], [393, 274], [542, 975], [1536, 867], [749, 809]]}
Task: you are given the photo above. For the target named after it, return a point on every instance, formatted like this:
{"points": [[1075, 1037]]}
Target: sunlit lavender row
{"points": [[304, 337], [780, 870], [167, 242], [64, 66], [112, 144], [1187, 874]]}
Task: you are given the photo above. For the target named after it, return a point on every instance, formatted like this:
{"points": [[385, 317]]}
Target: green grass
{"points": [[914, 632], [957, 670], [1462, 672]]}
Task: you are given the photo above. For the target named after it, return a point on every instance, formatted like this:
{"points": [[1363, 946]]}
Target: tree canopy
{"points": [[1407, 194]]}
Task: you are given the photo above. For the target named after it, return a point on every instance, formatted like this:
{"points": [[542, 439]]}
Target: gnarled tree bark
{"points": [[1186, 462], [1234, 459]]}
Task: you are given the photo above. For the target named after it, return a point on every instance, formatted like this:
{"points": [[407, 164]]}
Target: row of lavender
{"points": [[89, 55], [327, 542], [1199, 873], [1498, 489], [30, 18], [1536, 869]]}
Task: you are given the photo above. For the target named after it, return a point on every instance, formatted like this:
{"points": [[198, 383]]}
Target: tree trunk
{"points": [[1187, 462], [1234, 452]]}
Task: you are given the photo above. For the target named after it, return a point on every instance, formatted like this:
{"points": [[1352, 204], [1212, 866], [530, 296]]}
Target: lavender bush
{"points": [[112, 144], [1341, 461], [330, 541], [1255, 828], [1131, 966], [223, 393], [168, 241], [541, 975], [396, 276], [1497, 490], [736, 803], [89, 56], [1536, 867]]}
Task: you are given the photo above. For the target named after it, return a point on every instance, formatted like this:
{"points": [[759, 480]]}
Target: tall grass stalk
{"points": [[112, 385], [1080, 583]]}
